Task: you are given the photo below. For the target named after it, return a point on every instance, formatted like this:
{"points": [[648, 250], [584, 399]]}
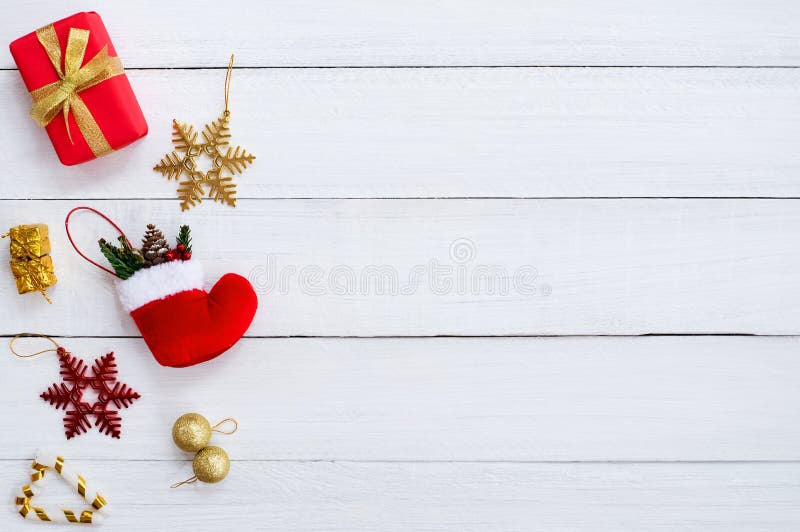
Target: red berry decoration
{"points": [[181, 248], [186, 255], [68, 395], [170, 255]]}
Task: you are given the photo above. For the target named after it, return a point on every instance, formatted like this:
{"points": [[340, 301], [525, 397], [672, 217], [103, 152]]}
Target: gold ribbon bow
{"points": [[63, 95]]}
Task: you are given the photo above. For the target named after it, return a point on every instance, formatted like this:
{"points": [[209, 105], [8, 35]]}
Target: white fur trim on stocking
{"points": [[158, 282]]}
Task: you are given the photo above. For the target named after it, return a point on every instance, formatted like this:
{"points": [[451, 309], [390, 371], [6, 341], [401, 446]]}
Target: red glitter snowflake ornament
{"points": [[68, 395]]}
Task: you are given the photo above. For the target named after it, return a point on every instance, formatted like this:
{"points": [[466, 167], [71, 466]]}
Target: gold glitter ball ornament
{"points": [[211, 464], [191, 432]]}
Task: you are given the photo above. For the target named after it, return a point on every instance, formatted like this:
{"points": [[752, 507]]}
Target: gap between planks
{"points": [[438, 198], [436, 336], [423, 461], [415, 67]]}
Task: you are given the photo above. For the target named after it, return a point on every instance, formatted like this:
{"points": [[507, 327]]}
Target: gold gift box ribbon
{"points": [[63, 95]]}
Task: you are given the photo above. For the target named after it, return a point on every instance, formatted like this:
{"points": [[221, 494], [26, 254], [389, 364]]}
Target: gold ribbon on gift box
{"points": [[31, 265], [64, 95]]}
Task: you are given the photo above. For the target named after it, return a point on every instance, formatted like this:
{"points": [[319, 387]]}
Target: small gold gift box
{"points": [[29, 241], [34, 275], [31, 265]]}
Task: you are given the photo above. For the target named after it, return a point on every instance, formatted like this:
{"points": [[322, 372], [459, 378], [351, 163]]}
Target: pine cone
{"points": [[154, 246]]}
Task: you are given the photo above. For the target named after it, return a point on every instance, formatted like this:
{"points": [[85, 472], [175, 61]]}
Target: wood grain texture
{"points": [[501, 399], [419, 32], [451, 267], [323, 496], [450, 133]]}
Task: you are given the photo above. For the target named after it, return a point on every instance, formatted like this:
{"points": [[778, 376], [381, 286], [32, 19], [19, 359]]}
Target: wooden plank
{"points": [[501, 399], [450, 133], [505, 32], [319, 496], [451, 267]]}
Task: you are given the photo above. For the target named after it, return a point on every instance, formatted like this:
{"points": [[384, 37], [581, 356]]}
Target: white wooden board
{"points": [[149, 33], [324, 496], [630, 200], [453, 267], [449, 133], [502, 399]]}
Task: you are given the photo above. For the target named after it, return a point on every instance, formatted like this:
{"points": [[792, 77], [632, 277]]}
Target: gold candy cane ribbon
{"points": [[41, 464], [63, 95]]}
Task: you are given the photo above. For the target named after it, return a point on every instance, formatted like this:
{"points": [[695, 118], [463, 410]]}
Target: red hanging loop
{"points": [[78, 251]]}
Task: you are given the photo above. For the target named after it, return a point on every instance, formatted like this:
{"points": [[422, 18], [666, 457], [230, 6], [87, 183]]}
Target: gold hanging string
{"points": [[32, 335], [215, 428], [228, 84], [187, 481]]}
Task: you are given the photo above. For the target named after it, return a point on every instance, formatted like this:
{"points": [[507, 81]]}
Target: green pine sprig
{"points": [[124, 259], [185, 237]]}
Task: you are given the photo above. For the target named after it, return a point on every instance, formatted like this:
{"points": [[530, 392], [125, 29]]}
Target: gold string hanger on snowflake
{"points": [[216, 183]]}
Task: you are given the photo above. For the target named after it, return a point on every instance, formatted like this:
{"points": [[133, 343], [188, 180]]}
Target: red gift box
{"points": [[103, 114]]}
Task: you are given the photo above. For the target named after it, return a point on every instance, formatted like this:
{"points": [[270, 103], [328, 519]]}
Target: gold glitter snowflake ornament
{"points": [[215, 183]]}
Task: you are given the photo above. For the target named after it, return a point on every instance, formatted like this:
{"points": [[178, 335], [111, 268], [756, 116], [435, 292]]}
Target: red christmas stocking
{"points": [[163, 291], [181, 323]]}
